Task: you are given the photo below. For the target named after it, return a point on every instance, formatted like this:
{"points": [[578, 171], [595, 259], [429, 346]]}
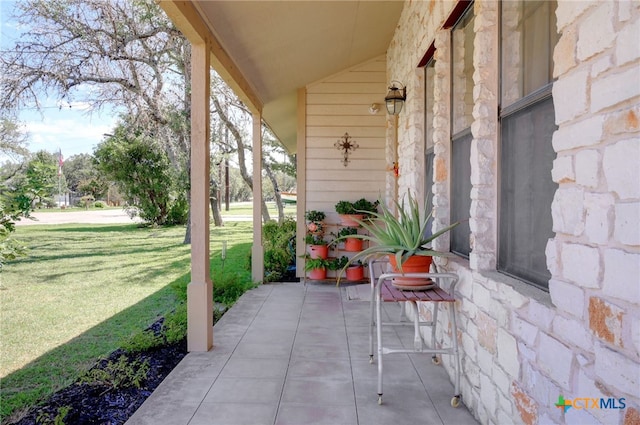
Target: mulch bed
{"points": [[101, 404]]}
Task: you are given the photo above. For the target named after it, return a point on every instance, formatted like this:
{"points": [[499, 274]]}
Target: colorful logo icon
{"points": [[563, 404]]}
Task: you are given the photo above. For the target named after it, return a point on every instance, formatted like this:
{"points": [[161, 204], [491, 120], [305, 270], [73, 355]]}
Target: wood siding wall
{"points": [[336, 105]]}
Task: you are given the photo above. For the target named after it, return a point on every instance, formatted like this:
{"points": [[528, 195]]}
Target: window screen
{"points": [[462, 37], [526, 152]]}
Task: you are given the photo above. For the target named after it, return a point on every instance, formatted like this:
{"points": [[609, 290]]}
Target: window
{"points": [[462, 37], [527, 122]]}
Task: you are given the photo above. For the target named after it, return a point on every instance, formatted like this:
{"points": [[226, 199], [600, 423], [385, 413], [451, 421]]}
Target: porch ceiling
{"points": [[280, 46]]}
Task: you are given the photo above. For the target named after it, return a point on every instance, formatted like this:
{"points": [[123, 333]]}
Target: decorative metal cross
{"points": [[345, 144]]}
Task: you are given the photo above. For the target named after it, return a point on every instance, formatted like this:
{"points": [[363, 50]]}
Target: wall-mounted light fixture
{"points": [[345, 144], [395, 98]]}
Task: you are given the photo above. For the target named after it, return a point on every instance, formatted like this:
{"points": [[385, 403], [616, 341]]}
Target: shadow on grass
{"points": [[40, 378]]}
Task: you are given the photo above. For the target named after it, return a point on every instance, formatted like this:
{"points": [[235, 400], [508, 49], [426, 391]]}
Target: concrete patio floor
{"points": [[297, 354]]}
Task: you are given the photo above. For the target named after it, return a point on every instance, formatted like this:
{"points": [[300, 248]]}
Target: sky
{"points": [[68, 128]]}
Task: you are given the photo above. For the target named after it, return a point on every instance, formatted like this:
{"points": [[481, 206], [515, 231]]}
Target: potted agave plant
{"points": [[403, 238]]}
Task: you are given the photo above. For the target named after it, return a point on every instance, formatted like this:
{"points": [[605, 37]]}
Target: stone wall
{"points": [[523, 347]]}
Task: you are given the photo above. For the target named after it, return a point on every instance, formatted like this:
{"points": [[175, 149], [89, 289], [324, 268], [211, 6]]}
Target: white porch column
{"points": [[257, 250], [200, 289]]}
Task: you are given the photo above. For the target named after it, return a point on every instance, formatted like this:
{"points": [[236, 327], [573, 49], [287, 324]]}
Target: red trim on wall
{"points": [[427, 56], [457, 13]]}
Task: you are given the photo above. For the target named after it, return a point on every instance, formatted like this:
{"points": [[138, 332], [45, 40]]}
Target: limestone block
{"points": [[605, 321], [540, 315], [488, 395], [486, 360], [527, 353], [511, 298], [567, 211], [570, 96], [573, 332], [564, 54], [502, 380], [487, 331], [568, 11], [567, 297], [592, 42], [588, 168], [482, 297], [580, 416], [556, 360], [621, 171], [586, 385], [471, 372], [627, 224], [553, 257], [508, 357], [524, 330], [581, 265], [615, 88], [540, 387], [623, 121], [635, 334], [622, 275], [562, 171], [627, 45], [526, 406], [584, 133], [616, 371], [599, 217], [600, 64]]}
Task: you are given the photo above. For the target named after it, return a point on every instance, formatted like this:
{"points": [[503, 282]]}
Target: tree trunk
{"points": [[241, 157], [215, 205], [276, 190]]}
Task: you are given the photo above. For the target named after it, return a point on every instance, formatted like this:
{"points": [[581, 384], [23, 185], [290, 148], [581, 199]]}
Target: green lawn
{"points": [[83, 289]]}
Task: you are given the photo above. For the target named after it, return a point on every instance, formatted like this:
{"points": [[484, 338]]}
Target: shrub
{"points": [[228, 287], [99, 204], [119, 374], [178, 211], [279, 248]]}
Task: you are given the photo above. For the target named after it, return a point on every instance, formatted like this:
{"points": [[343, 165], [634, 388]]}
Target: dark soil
{"points": [[101, 404]]}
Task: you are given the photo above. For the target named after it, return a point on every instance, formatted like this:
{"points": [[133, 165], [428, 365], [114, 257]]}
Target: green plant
{"points": [[99, 204], [403, 236], [361, 206], [141, 341], [314, 263], [45, 418], [313, 215], [344, 207], [228, 287], [119, 374], [279, 251], [310, 239], [338, 263], [366, 207], [347, 231]]}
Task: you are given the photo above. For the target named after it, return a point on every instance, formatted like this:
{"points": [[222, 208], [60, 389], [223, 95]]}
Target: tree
{"points": [[144, 174], [12, 140], [83, 178], [125, 53]]}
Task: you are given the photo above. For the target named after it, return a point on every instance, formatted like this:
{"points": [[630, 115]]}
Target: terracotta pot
{"points": [[318, 274], [415, 264], [353, 244], [319, 251], [347, 219], [355, 273]]}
